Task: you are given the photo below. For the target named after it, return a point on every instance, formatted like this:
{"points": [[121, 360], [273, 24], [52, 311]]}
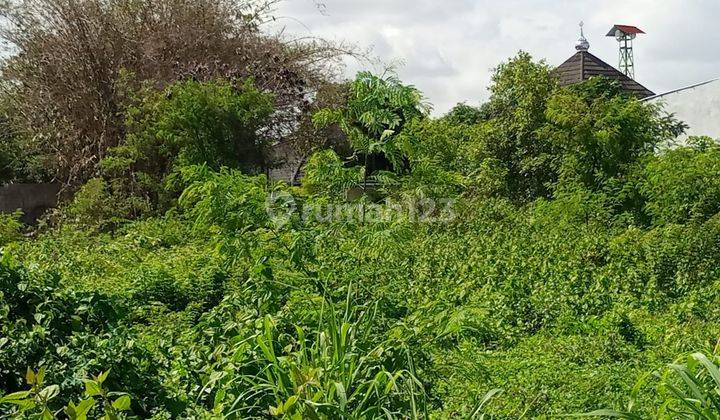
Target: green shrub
{"points": [[214, 123], [68, 333], [683, 185], [326, 174], [156, 285], [551, 281], [37, 401], [20, 159], [98, 206], [10, 226], [227, 199], [690, 388]]}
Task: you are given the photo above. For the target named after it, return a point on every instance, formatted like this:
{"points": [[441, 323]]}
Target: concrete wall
{"points": [[288, 164], [32, 199], [698, 106]]}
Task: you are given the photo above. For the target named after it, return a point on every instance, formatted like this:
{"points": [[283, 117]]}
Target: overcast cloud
{"points": [[448, 48]]}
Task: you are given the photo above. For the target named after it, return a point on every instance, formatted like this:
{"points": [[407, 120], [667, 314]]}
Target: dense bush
{"points": [[69, 334], [190, 123], [20, 161], [10, 226], [682, 184], [376, 112], [691, 388], [99, 205], [433, 316]]}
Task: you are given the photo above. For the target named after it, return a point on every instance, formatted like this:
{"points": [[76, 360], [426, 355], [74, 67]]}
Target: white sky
{"points": [[448, 47]]}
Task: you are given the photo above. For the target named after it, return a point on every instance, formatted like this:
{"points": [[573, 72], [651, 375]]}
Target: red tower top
{"points": [[625, 29]]}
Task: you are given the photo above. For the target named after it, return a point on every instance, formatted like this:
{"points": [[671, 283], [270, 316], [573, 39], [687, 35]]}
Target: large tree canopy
{"points": [[67, 59]]}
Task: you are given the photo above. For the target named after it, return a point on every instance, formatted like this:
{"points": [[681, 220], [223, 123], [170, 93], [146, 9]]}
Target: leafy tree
{"points": [[518, 101], [596, 133], [542, 139], [376, 112], [8, 159], [466, 114], [447, 157], [20, 159], [599, 87]]}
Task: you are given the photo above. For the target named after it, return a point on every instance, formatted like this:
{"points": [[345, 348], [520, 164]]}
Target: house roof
{"points": [[583, 65], [625, 28]]}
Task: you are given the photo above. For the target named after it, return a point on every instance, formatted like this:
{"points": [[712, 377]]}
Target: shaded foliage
{"points": [[681, 184]]}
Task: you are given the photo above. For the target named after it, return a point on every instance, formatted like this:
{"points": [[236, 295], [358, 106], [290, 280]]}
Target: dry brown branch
{"points": [[68, 58]]}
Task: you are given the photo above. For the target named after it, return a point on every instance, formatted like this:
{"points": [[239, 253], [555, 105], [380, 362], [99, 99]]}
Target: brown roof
{"points": [[584, 65]]}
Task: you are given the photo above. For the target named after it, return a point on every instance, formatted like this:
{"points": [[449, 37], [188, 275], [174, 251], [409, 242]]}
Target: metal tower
{"points": [[625, 35]]}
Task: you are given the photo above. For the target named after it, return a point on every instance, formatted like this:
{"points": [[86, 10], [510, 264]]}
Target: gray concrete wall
{"points": [[288, 165], [32, 199]]}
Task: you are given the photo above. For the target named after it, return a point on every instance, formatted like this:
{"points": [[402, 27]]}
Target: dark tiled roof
{"points": [[584, 65]]}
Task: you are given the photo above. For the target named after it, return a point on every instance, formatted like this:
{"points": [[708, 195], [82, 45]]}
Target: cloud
{"points": [[448, 48]]}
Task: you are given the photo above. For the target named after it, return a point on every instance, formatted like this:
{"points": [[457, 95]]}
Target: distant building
{"points": [[583, 65], [697, 105]]}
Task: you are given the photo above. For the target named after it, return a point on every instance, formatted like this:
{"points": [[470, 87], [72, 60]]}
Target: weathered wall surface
{"points": [[32, 199], [698, 106], [289, 163]]}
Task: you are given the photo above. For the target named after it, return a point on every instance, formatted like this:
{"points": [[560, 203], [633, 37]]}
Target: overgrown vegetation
{"points": [[544, 254], [69, 85]]}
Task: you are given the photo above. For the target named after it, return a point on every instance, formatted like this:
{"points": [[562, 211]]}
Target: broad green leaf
{"points": [[122, 403], [15, 396], [289, 403], [92, 388], [80, 411], [342, 396], [30, 377], [47, 414], [710, 366], [103, 376], [49, 392]]}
